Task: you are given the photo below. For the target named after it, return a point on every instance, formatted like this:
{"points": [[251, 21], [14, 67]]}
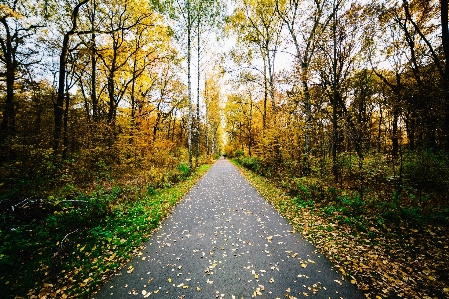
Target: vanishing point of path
{"points": [[223, 240]]}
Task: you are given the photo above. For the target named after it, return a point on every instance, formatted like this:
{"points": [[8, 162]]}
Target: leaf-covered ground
{"points": [[386, 259]]}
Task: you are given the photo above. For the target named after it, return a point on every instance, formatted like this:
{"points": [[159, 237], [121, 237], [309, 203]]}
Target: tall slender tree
{"points": [[306, 22], [16, 32], [59, 104]]}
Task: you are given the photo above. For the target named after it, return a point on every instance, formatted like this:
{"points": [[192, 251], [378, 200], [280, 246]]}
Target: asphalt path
{"points": [[224, 240]]}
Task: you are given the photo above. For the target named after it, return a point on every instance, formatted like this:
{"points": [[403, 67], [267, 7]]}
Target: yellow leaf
{"points": [[169, 280]]}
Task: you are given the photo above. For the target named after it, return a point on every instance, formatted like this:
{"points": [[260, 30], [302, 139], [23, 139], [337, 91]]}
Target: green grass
{"points": [[71, 247]]}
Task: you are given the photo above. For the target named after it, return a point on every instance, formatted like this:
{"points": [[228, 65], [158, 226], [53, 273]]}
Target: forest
{"points": [[336, 110]]}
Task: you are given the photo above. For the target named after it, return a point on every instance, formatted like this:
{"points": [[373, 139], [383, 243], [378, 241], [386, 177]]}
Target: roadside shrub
{"points": [[307, 188], [251, 163], [239, 153], [184, 169], [355, 203], [427, 171]]}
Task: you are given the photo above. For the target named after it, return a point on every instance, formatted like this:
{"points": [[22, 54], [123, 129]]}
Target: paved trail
{"points": [[225, 241]]}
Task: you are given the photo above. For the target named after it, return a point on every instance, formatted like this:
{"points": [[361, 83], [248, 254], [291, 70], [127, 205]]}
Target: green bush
{"points": [[427, 171], [251, 163], [355, 203], [239, 153], [184, 169]]}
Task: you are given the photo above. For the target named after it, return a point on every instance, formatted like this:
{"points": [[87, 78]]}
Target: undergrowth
{"points": [[72, 244], [389, 247]]}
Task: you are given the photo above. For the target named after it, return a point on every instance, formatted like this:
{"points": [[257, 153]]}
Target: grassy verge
{"points": [[388, 252], [72, 246]]}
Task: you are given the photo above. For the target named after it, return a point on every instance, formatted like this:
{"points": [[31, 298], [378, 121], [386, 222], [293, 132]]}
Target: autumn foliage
{"points": [[352, 130], [93, 138], [343, 105]]}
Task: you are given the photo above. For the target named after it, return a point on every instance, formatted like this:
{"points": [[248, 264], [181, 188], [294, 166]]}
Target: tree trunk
{"points": [[334, 100], [250, 124], [394, 137], [411, 136], [111, 87], [156, 125], [271, 79], [379, 128], [133, 96], [94, 67], [8, 126], [265, 93], [59, 105], [308, 106], [445, 42], [197, 127], [189, 84], [65, 147], [94, 81]]}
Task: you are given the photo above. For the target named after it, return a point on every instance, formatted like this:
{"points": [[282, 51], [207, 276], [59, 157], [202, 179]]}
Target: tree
{"points": [[259, 26], [16, 53], [59, 105], [338, 58], [185, 11], [306, 22], [212, 99], [209, 14], [445, 42], [122, 18]]}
